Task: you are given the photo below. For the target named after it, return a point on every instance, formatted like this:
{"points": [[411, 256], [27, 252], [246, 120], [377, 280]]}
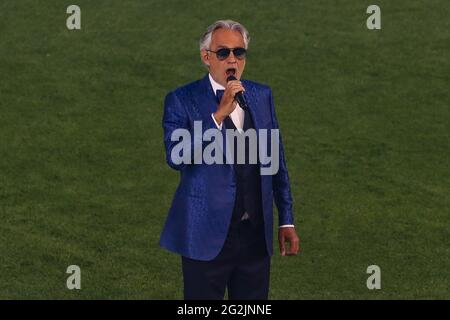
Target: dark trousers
{"points": [[242, 266]]}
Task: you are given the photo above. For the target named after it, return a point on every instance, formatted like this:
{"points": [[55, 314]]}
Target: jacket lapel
{"points": [[252, 103], [205, 98]]}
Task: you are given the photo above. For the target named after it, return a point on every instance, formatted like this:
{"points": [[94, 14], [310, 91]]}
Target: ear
{"points": [[205, 56]]}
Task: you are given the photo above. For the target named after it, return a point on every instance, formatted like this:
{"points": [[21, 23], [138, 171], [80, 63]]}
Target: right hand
{"points": [[228, 104]]}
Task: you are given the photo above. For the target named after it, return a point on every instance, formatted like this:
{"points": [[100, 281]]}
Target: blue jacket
{"points": [[198, 220]]}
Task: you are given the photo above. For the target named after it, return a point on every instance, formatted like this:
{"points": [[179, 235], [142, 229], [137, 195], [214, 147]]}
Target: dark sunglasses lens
{"points": [[239, 52], [223, 53]]}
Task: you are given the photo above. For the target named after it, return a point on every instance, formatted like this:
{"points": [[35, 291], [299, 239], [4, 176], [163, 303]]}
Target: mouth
{"points": [[230, 72]]}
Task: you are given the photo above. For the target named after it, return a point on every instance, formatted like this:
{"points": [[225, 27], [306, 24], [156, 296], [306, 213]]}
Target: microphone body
{"points": [[239, 97]]}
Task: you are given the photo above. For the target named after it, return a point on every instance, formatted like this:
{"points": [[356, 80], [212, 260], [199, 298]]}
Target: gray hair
{"points": [[205, 40]]}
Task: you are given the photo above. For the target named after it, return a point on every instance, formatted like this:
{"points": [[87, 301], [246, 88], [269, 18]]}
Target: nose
{"points": [[231, 58]]}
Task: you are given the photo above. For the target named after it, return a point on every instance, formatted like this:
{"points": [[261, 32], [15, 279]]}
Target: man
{"points": [[221, 218]]}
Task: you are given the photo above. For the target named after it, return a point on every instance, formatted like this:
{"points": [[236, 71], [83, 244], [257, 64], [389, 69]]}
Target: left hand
{"points": [[289, 235]]}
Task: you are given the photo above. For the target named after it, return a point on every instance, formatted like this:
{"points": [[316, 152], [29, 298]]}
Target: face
{"points": [[221, 69]]}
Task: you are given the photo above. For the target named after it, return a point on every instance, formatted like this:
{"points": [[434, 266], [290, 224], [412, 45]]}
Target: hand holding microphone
{"points": [[239, 96], [233, 94]]}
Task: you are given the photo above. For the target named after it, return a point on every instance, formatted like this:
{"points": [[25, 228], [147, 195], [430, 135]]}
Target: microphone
{"points": [[239, 97]]}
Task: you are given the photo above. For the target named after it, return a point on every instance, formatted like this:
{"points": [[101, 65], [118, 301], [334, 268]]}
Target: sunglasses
{"points": [[223, 53]]}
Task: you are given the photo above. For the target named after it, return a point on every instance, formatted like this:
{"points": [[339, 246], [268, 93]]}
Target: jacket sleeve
{"points": [[280, 181], [174, 117]]}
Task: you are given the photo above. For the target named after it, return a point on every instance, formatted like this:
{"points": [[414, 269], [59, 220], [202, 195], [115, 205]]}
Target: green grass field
{"points": [[364, 116]]}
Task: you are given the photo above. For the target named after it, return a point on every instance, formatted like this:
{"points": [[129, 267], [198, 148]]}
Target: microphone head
{"points": [[231, 78]]}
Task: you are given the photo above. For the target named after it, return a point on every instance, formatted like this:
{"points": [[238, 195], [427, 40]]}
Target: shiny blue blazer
{"points": [[198, 220]]}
